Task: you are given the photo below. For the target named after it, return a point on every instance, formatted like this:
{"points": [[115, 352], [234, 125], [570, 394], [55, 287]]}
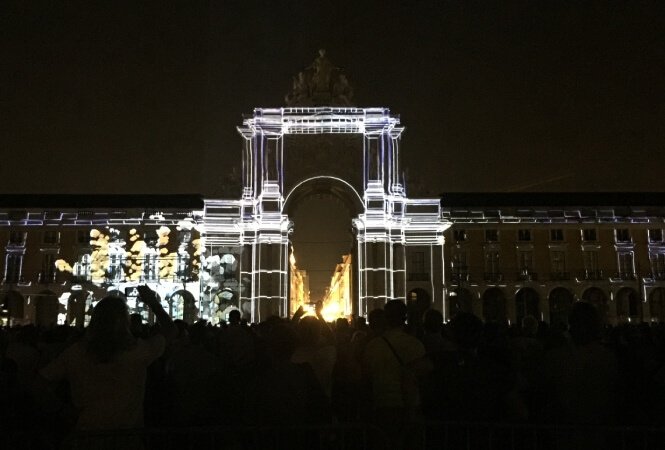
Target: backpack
{"points": [[409, 383]]}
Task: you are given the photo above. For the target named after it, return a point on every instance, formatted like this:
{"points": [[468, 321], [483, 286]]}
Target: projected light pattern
{"points": [[119, 260], [258, 227], [235, 253]]}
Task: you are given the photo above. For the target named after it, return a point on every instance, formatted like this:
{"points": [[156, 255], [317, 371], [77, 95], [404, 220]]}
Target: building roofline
{"points": [[552, 199], [93, 201]]}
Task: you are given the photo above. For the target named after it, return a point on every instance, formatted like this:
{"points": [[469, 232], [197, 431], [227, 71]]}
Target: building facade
{"points": [[512, 255], [505, 256], [61, 254]]}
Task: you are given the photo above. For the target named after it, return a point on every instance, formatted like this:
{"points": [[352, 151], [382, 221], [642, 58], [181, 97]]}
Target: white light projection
{"points": [[257, 227]]}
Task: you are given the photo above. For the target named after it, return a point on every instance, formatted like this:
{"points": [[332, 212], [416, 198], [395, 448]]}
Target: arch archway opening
{"points": [[322, 244]]}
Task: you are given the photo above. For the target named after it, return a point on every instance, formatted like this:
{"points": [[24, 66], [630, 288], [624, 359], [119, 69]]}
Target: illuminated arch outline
{"points": [[321, 177], [257, 227]]}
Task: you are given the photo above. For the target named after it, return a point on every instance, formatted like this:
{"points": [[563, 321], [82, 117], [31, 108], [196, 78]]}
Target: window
{"points": [[182, 266], [589, 234], [657, 261], [524, 235], [82, 267], [83, 237], [622, 235], [47, 274], [418, 271], [492, 235], [17, 237], [459, 266], [626, 264], [556, 235], [13, 263], [525, 262], [150, 269], [51, 237], [115, 271], [418, 262], [558, 261], [491, 262], [184, 236], [591, 263], [655, 235], [459, 235]]}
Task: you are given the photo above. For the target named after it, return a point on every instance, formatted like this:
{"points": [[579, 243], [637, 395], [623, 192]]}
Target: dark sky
{"points": [[144, 97]]}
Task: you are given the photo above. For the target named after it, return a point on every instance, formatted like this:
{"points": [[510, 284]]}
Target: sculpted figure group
{"points": [[321, 84]]}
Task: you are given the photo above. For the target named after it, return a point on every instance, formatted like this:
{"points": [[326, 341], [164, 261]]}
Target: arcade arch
{"points": [[494, 305], [657, 304], [561, 302], [598, 298], [526, 304], [182, 305], [46, 308], [76, 307], [629, 306], [14, 302], [460, 300]]}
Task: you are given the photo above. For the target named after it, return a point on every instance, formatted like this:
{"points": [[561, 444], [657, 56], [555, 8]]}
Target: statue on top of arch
{"points": [[321, 84]]}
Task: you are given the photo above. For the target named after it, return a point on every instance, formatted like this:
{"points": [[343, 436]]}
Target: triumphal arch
{"points": [[319, 142]]}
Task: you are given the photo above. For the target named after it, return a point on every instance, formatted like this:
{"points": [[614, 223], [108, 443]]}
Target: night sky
{"points": [[144, 97]]}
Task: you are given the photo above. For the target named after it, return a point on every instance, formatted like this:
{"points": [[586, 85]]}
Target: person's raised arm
{"points": [[166, 325], [326, 331], [298, 314]]}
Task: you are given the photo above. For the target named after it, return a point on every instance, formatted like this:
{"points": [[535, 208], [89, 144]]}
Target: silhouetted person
{"points": [[286, 393], [107, 369], [581, 379], [393, 362], [466, 385]]}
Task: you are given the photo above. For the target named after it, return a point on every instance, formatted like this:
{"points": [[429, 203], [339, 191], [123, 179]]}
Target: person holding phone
{"points": [[107, 368]]}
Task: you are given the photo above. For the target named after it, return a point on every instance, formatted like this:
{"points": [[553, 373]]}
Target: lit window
{"points": [[150, 267], [82, 267], [182, 266]]}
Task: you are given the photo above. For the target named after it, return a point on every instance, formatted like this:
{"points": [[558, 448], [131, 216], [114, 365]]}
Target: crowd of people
{"points": [[388, 370]]}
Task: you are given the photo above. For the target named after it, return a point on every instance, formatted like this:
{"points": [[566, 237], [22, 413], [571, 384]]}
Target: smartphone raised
{"points": [[144, 292]]}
